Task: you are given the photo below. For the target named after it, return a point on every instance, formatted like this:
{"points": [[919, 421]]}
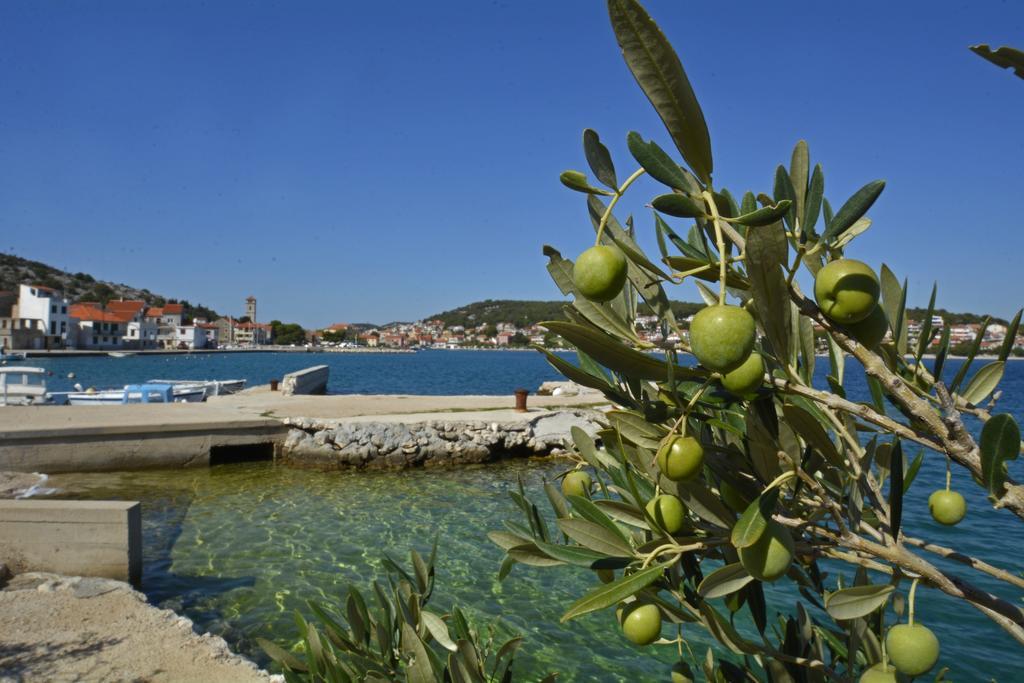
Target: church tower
{"points": [[250, 308]]}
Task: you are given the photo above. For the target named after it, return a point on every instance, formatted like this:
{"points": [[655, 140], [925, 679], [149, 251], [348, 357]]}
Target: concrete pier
{"points": [[124, 437]]}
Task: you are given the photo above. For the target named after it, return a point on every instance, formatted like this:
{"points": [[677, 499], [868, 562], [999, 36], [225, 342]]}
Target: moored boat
{"points": [[214, 387], [22, 386], [11, 355], [138, 393]]}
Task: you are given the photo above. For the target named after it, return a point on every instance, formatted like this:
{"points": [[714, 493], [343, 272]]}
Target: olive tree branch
{"points": [[955, 440]]}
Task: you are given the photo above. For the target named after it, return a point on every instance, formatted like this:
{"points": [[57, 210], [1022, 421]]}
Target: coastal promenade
{"points": [[95, 438]]}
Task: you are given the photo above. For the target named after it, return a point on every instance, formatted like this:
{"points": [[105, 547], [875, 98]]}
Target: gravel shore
{"points": [[57, 628]]}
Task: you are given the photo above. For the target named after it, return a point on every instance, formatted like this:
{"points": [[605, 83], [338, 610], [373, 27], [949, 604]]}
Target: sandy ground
{"points": [[55, 628]]}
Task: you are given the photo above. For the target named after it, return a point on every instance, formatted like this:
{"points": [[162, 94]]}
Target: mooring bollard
{"points": [[273, 385], [521, 400]]}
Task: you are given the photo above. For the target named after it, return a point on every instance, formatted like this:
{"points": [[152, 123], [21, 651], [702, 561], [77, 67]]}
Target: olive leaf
{"points": [[765, 215], [576, 180], [754, 520], [984, 382], [599, 159], [609, 594], [855, 207], [657, 163], [660, 75], [1000, 441], [678, 205], [859, 601], [724, 581]]}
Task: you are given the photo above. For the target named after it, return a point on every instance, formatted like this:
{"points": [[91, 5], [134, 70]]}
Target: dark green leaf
{"points": [[1003, 57], [941, 353], [1000, 441], [590, 512], [724, 581], [661, 76], [1011, 336], [766, 250], [784, 191], [855, 207], [596, 537], [679, 205], [765, 215], [754, 520], [925, 336], [656, 162], [808, 427], [971, 353], [912, 471], [799, 167], [856, 602], [896, 489], [892, 294], [984, 382], [531, 555], [812, 203], [710, 274], [609, 594], [615, 355], [575, 180], [599, 159]]}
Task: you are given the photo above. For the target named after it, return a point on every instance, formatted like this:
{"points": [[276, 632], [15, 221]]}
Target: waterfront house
{"points": [[49, 309], [99, 328], [252, 334], [142, 329]]}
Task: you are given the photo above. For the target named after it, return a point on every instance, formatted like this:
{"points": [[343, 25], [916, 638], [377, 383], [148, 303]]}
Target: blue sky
{"points": [[381, 161]]}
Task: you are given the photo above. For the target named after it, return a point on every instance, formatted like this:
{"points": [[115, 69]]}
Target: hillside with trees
{"points": [[15, 270], [524, 313]]}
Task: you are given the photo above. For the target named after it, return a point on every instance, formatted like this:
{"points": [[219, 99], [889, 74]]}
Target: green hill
{"points": [[526, 313], [15, 270]]}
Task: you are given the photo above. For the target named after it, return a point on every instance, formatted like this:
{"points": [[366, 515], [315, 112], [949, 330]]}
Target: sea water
{"points": [[237, 548]]}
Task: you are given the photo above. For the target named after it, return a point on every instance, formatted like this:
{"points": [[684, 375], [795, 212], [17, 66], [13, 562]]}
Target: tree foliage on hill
{"points": [[524, 313], [287, 333], [954, 318], [81, 287]]}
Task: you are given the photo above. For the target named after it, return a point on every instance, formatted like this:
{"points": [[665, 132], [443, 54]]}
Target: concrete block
{"points": [[309, 381], [73, 537]]}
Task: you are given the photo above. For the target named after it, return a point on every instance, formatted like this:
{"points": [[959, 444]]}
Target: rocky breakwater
{"points": [[346, 444]]}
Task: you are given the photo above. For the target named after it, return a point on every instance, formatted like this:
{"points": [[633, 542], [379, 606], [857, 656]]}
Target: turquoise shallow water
{"points": [[237, 547]]}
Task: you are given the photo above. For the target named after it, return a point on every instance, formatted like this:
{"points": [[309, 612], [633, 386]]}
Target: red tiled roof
{"points": [[249, 326], [132, 307], [338, 326], [173, 309], [207, 326], [96, 314]]}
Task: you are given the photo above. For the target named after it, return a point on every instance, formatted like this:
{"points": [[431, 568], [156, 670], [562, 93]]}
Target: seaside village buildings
{"points": [[37, 317]]}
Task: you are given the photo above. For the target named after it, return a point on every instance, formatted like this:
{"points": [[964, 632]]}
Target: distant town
{"points": [[37, 317]]}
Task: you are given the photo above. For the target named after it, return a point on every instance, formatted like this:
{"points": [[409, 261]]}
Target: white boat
{"points": [[214, 387], [120, 354], [22, 386], [11, 355], [145, 393]]}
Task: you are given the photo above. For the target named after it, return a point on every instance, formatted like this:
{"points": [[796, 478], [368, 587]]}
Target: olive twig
{"points": [[615, 200], [720, 242]]}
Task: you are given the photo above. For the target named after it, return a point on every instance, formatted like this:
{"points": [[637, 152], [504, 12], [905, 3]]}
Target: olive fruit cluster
{"points": [[847, 293]]}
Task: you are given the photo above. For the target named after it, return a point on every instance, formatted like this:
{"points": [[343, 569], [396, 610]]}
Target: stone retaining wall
{"points": [[388, 445]]}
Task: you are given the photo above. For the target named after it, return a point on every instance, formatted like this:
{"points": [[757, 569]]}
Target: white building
{"points": [[48, 307]]}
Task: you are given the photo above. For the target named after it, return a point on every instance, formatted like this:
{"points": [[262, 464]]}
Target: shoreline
{"points": [[55, 627]]}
